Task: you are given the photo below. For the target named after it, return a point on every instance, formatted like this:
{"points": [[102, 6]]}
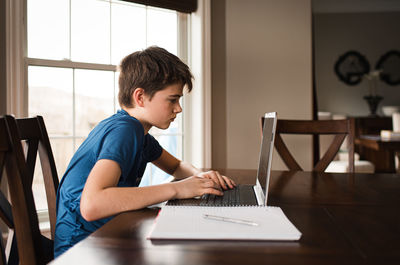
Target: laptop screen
{"points": [[267, 146]]}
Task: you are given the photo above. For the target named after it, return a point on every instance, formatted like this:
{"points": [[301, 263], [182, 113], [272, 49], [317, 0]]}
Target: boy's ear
{"points": [[138, 97]]}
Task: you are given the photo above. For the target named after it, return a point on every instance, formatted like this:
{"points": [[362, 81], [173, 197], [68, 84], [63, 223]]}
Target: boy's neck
{"points": [[134, 112]]}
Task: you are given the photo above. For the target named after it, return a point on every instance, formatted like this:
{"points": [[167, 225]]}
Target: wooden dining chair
{"points": [[339, 128], [9, 255], [26, 138]]}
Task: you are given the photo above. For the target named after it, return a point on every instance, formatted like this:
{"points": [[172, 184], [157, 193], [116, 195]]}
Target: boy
{"points": [[103, 176]]}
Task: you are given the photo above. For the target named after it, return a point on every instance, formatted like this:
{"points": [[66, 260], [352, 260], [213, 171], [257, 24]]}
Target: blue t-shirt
{"points": [[119, 138]]}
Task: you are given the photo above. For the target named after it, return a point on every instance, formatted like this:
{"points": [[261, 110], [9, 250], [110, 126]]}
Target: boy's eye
{"points": [[173, 100]]}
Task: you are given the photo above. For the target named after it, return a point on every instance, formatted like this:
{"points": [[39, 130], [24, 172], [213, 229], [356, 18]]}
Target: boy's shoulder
{"points": [[122, 121]]}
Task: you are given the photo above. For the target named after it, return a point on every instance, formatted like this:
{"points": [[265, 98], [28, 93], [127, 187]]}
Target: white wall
{"points": [[267, 68]]}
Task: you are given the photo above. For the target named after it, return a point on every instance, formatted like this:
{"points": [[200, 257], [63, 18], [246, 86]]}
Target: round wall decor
{"points": [[351, 66]]}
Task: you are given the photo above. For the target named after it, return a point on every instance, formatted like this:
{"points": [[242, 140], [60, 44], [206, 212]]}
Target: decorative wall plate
{"points": [[389, 63], [351, 66]]}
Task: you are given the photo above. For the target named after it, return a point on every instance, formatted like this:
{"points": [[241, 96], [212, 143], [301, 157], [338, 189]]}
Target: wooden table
{"points": [[344, 218], [386, 149]]}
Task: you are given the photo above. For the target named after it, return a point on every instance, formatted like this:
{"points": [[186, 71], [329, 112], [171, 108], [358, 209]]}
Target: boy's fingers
{"points": [[213, 191], [213, 177], [209, 183], [222, 181], [230, 182]]}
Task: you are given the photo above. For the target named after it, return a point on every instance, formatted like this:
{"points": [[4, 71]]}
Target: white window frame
{"points": [[197, 119], [198, 112]]}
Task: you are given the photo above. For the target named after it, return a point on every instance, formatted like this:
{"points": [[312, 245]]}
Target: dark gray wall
{"points": [[372, 34], [3, 96]]}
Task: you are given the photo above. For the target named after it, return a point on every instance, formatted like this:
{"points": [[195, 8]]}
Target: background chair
{"points": [[33, 248], [339, 128]]}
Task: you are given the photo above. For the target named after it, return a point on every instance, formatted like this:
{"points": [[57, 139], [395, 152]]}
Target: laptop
{"points": [[245, 195]]}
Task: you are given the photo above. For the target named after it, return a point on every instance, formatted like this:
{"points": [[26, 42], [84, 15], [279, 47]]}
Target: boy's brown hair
{"points": [[151, 69]]}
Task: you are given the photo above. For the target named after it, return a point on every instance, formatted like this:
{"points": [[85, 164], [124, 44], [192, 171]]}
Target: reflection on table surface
{"points": [[344, 219]]}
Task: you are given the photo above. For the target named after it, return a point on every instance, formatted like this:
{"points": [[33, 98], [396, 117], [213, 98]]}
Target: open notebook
{"points": [[239, 223]]}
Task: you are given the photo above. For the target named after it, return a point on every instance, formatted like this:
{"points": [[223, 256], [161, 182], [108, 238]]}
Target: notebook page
{"points": [[180, 222]]}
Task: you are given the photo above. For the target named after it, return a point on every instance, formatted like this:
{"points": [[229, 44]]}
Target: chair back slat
{"points": [[330, 153], [340, 128], [312, 127], [5, 211], [49, 171], [4, 145], [286, 155], [51, 183], [3, 258], [2, 161], [28, 128]]}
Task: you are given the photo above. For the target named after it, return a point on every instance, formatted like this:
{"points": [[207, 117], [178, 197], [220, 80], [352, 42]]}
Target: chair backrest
{"points": [[339, 128], [20, 163], [33, 132], [8, 255]]}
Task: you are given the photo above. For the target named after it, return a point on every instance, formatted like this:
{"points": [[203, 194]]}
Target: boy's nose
{"points": [[178, 108]]}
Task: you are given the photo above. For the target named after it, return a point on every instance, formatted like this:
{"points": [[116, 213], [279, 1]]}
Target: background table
{"points": [[386, 149], [344, 219]]}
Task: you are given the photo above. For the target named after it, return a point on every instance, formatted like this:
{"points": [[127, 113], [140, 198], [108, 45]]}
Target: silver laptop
{"points": [[245, 195]]}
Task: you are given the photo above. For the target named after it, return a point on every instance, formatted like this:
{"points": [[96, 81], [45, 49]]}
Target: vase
{"points": [[373, 102]]}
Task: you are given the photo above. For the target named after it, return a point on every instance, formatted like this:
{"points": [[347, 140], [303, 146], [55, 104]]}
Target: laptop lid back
{"points": [[265, 158]]}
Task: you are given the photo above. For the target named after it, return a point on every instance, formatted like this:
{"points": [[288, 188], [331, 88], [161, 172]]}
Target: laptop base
{"points": [[245, 197]]}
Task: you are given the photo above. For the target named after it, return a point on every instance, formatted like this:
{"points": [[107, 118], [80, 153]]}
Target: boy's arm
{"points": [[180, 170], [102, 198]]}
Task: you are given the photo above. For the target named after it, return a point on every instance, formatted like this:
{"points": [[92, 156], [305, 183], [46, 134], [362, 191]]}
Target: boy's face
{"points": [[164, 106]]}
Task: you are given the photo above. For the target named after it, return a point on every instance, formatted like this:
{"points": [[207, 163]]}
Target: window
{"points": [[72, 62]]}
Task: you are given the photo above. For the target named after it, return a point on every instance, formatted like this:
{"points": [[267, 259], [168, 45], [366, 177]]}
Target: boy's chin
{"points": [[163, 127]]}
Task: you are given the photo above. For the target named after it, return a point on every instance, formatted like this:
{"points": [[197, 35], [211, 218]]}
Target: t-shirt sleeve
{"points": [[121, 144], [152, 149]]}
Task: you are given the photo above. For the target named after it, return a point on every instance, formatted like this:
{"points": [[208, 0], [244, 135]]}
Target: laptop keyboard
{"points": [[241, 195], [230, 198]]}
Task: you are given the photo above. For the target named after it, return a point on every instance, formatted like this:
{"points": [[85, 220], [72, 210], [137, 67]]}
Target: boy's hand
{"points": [[195, 186], [203, 183], [223, 182]]}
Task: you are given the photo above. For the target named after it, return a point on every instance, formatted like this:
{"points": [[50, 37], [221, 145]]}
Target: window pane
{"points": [[90, 31], [128, 30], [116, 89], [173, 144], [94, 98], [78, 142], [162, 29], [50, 95], [63, 150], [48, 29], [38, 189]]}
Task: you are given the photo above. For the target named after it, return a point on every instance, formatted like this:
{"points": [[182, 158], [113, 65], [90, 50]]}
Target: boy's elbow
{"points": [[88, 210]]}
